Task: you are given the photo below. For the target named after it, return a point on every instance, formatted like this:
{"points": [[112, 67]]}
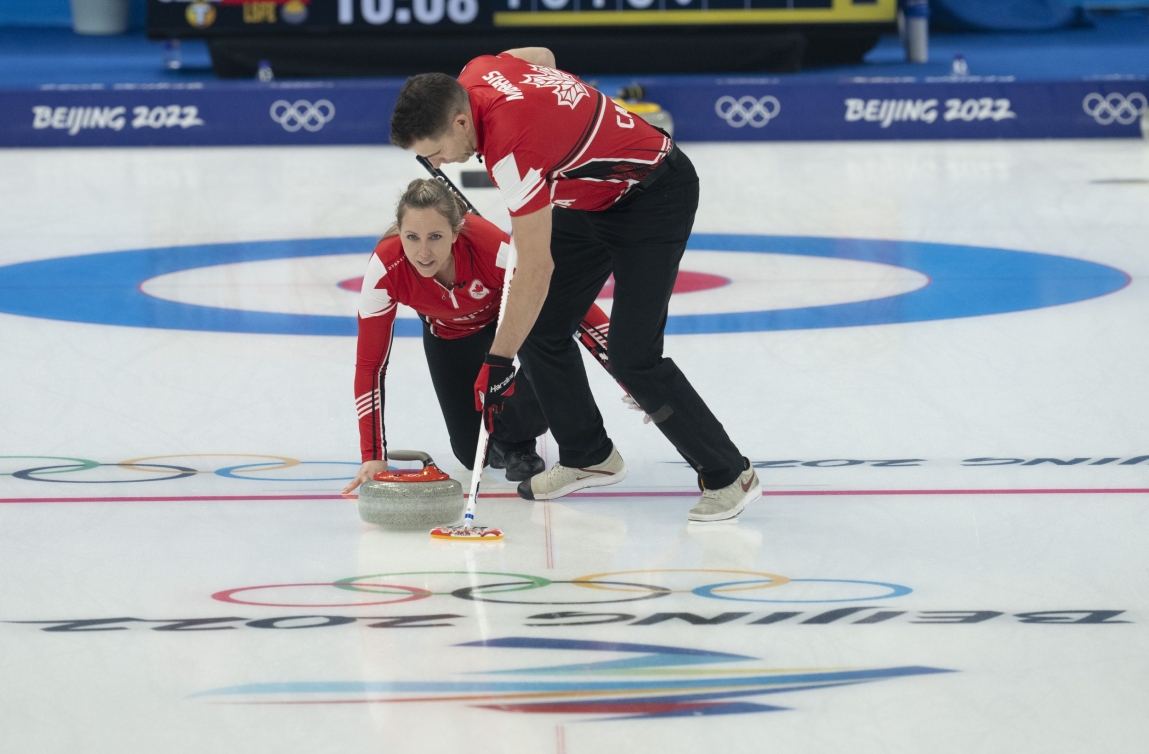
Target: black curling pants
{"points": [[454, 366], [641, 240]]}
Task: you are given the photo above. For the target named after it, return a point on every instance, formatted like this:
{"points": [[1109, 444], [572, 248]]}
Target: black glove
{"points": [[495, 383]]}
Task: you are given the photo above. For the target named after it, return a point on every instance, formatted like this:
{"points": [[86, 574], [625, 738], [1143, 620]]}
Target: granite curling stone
{"points": [[411, 498]]}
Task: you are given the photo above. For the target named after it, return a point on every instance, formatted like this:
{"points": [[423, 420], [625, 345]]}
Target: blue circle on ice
{"points": [[965, 281]]}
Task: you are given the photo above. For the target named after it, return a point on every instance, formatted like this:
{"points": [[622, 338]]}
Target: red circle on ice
{"points": [[687, 282]]}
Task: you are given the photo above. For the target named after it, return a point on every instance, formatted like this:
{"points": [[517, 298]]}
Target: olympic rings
{"points": [[896, 590], [532, 582], [27, 474], [286, 462], [84, 464], [524, 582], [747, 110], [1115, 107], [302, 114], [227, 472], [590, 582], [160, 472], [467, 593], [226, 596]]}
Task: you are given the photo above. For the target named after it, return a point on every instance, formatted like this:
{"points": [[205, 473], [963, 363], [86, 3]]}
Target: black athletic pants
{"points": [[454, 365], [641, 240]]}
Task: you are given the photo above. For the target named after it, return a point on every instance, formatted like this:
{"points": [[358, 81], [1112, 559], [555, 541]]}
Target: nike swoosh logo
{"points": [[750, 482], [594, 471]]}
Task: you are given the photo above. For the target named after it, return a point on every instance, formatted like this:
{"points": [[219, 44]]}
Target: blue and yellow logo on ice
{"points": [[655, 681]]}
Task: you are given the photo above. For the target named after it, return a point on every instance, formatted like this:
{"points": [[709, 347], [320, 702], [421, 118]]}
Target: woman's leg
{"points": [[454, 365]]}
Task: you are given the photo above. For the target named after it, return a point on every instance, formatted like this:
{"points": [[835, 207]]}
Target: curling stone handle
{"points": [[410, 455]]}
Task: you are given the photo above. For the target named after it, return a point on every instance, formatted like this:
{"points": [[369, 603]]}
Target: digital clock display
{"points": [[182, 18], [424, 12]]}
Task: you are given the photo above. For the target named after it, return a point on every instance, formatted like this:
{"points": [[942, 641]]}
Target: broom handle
{"points": [[481, 447], [439, 175]]}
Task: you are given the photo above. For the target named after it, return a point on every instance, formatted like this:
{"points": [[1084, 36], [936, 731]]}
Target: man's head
{"points": [[433, 118]]}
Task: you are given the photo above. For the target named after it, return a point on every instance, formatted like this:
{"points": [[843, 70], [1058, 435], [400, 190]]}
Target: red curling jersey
{"points": [[456, 311], [549, 138]]}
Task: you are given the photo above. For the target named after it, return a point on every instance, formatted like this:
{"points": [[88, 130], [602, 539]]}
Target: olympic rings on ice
{"points": [[896, 590], [591, 582], [263, 471], [229, 472], [529, 582], [1115, 107], [747, 110], [29, 474], [462, 585], [302, 114], [228, 596], [82, 464], [653, 592]]}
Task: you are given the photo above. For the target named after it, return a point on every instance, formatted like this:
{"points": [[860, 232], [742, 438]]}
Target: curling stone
{"points": [[411, 498]]}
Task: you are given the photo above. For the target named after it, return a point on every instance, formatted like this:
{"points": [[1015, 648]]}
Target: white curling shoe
{"points": [[561, 480], [725, 503]]}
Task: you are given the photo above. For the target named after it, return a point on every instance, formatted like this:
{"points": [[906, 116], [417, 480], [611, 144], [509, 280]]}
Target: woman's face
{"points": [[427, 237]]}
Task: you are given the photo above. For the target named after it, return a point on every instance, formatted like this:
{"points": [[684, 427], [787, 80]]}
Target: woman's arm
{"points": [[534, 55], [373, 350]]}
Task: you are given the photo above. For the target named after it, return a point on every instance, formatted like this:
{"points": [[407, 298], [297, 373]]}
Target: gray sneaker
{"points": [[561, 480], [727, 502]]}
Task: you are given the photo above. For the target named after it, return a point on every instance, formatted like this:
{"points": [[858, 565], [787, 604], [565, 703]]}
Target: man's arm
{"points": [[533, 55], [532, 238]]}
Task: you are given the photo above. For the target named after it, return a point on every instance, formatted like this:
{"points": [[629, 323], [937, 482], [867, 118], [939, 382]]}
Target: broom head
{"points": [[472, 533]]}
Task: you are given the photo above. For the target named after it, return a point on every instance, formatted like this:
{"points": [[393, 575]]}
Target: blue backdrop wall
{"points": [[53, 13]]}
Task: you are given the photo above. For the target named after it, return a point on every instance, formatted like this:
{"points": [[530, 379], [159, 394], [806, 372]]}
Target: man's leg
{"points": [[647, 235], [521, 420], [551, 357]]}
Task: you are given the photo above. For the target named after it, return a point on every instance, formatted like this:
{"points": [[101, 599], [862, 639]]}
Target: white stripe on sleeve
{"points": [[373, 301], [517, 189]]}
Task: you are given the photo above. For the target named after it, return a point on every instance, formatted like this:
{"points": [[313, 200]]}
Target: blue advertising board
{"points": [[749, 109], [246, 113], [704, 109]]}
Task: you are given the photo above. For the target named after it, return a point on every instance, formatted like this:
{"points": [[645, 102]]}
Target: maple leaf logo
{"points": [[566, 87]]}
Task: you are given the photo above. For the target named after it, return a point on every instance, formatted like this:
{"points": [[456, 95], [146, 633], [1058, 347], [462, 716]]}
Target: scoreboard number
{"points": [[429, 12]]}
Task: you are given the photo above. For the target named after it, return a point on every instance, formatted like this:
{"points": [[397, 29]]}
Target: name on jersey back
{"points": [[500, 83]]}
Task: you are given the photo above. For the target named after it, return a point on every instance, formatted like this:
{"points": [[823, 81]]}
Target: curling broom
{"points": [[467, 530]]}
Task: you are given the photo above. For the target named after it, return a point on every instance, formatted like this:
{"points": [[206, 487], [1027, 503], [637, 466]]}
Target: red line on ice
{"points": [[666, 493]]}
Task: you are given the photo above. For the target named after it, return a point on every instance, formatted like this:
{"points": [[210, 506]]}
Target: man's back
{"points": [[550, 138]]}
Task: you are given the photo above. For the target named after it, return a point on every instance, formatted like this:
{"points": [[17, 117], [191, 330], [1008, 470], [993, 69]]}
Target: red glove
{"points": [[495, 383]]}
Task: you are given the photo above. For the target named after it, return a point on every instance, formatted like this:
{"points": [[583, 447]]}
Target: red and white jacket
{"points": [[549, 138], [455, 311]]}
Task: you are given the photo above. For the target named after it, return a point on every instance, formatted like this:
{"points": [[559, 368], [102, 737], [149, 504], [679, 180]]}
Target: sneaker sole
{"points": [[526, 493], [711, 518]]}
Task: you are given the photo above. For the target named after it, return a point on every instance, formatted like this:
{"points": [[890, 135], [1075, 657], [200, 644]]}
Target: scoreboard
{"points": [[194, 18], [690, 12]]}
